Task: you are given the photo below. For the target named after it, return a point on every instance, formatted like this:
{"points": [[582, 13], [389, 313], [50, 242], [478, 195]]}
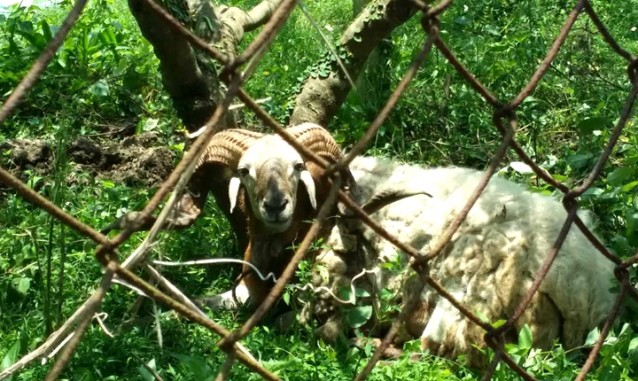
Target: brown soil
{"points": [[140, 160]]}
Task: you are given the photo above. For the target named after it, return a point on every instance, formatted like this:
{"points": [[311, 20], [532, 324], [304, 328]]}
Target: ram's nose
{"points": [[275, 207]]}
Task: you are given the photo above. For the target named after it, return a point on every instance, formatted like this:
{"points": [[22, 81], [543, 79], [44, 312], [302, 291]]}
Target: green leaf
{"points": [[482, 316], [46, 30], [462, 20], [22, 285], [621, 246], [346, 293], [587, 126], [579, 161], [146, 375], [592, 337], [618, 176], [499, 323], [629, 186], [632, 220], [99, 89], [358, 316], [12, 355], [195, 365], [108, 37], [25, 27], [150, 124], [593, 192], [33, 181], [61, 59], [633, 345], [525, 338], [179, 147], [491, 29], [386, 294]]}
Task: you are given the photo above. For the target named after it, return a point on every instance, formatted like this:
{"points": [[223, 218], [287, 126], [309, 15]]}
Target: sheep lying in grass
{"points": [[488, 266]]}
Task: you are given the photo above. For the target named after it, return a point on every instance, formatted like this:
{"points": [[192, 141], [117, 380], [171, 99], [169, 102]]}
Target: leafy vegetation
{"points": [[104, 84]]}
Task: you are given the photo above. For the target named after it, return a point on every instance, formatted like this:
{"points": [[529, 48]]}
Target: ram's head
{"points": [[270, 170]]}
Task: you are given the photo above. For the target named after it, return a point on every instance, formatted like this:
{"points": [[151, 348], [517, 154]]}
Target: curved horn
{"points": [[226, 147], [318, 140], [386, 197]]}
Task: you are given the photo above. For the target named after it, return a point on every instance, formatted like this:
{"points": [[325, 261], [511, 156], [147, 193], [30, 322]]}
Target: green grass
{"points": [[97, 80]]}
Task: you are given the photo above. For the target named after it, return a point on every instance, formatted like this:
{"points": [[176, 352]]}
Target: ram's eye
{"points": [[300, 167], [242, 172]]}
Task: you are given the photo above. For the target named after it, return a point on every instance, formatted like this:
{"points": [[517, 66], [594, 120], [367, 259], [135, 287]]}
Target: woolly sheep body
{"points": [[489, 264]]}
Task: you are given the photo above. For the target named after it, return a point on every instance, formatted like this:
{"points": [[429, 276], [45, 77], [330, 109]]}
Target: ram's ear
{"points": [[307, 180], [233, 192]]}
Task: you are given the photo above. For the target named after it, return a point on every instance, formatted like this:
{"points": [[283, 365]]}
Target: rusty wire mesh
{"points": [[504, 119]]}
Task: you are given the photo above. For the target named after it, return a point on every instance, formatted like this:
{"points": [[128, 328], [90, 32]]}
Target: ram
{"points": [[256, 180], [265, 188], [488, 266]]}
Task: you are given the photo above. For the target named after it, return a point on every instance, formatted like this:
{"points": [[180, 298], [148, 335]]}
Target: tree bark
{"points": [[189, 75], [321, 97], [374, 84], [193, 96]]}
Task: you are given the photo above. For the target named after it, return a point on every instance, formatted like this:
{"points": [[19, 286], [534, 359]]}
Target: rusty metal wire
{"points": [[504, 121]]}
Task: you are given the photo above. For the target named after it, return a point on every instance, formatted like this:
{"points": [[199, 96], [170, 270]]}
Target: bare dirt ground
{"points": [[137, 160]]}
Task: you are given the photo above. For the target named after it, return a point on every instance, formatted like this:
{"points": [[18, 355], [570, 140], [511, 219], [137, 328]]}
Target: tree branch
{"points": [[194, 93], [189, 75], [321, 97], [257, 16]]}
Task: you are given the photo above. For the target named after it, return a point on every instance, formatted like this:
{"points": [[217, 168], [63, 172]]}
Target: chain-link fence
{"points": [[504, 120]]}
